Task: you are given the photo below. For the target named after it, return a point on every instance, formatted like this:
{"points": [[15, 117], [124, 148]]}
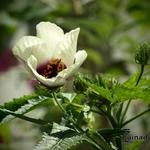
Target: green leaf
{"points": [[104, 144], [104, 92], [144, 82], [41, 90], [134, 145], [55, 143], [97, 87], [21, 106], [131, 82], [122, 93], [61, 138], [15, 104], [38, 121]]}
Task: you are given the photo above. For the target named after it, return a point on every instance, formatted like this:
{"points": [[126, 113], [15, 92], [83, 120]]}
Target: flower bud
{"points": [[143, 54], [79, 84]]}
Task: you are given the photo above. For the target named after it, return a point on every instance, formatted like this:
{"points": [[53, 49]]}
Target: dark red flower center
{"points": [[51, 68]]}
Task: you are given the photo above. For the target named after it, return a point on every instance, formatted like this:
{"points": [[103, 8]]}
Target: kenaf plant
{"points": [[102, 95]]}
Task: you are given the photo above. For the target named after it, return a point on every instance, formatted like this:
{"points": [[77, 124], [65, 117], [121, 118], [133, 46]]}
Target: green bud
{"points": [[79, 84], [143, 54]]}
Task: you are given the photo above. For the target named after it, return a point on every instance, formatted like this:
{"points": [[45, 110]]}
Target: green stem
{"points": [[110, 117], [119, 143], [75, 125], [135, 117], [137, 82], [94, 143], [112, 121], [59, 105], [118, 140], [100, 111], [125, 111], [140, 75], [37, 121], [119, 111]]}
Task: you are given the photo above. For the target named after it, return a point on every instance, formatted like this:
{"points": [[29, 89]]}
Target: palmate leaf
{"points": [[61, 138], [20, 106]]}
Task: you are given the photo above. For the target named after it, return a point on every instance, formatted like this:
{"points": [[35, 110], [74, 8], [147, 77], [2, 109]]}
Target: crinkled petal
{"points": [[80, 57], [51, 34], [30, 45], [52, 82], [68, 46]]}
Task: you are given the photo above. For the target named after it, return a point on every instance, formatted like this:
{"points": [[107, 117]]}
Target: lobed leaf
{"points": [[61, 138], [20, 106]]}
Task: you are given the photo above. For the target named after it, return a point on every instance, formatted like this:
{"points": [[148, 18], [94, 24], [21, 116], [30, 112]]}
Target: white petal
{"points": [[51, 34], [66, 73], [52, 82], [80, 57], [67, 48], [30, 45]]}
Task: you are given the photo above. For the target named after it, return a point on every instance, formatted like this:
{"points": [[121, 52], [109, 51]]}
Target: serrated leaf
{"points": [[55, 143], [104, 92], [18, 102], [15, 104], [122, 93], [58, 128], [131, 82], [21, 106], [144, 82], [39, 121], [61, 138], [98, 89], [67, 96]]}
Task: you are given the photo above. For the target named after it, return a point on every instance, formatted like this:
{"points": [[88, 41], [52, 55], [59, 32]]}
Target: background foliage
{"points": [[110, 33]]}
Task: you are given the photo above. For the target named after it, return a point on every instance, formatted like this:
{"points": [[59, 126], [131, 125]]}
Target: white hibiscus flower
{"points": [[51, 55]]}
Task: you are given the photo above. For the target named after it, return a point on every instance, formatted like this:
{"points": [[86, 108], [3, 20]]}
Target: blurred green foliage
{"points": [[110, 29]]}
